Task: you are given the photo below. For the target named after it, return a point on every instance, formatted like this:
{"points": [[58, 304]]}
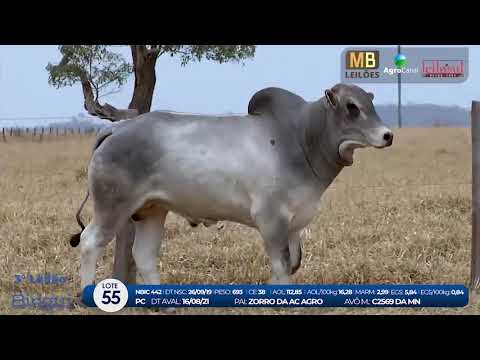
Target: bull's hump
{"points": [[273, 100]]}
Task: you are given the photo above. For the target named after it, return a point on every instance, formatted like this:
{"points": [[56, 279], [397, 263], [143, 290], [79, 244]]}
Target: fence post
{"points": [[475, 261], [41, 134], [3, 135], [26, 130], [11, 131], [57, 131], [50, 133], [34, 131]]}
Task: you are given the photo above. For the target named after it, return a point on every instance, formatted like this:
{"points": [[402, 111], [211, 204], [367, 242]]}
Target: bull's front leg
{"points": [[124, 268], [273, 227]]}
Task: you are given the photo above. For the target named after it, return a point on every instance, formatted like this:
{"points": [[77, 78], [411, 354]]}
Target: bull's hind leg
{"points": [[92, 242], [149, 234], [124, 268]]}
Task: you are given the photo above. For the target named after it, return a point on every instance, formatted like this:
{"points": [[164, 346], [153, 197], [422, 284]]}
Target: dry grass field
{"points": [[400, 215]]}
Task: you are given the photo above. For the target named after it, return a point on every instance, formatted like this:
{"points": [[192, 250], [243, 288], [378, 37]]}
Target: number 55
{"points": [[114, 299]]}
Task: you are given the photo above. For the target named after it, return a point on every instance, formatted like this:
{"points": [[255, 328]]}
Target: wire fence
{"points": [[40, 132]]}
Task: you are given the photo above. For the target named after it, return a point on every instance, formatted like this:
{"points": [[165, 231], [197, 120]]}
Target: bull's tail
{"points": [[102, 135], [75, 239]]}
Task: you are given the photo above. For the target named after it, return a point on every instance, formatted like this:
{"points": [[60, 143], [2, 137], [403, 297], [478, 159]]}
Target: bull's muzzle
{"points": [[387, 140]]}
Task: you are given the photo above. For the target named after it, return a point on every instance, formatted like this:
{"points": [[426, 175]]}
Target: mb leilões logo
{"points": [[400, 61], [362, 64]]}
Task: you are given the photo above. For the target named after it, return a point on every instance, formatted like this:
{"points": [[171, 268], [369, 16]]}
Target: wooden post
{"points": [[34, 131], [11, 131], [41, 134], [27, 130], [57, 131], [3, 135], [50, 133], [475, 262], [399, 79]]}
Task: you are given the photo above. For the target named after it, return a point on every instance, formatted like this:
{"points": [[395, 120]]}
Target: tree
{"points": [[101, 71]]}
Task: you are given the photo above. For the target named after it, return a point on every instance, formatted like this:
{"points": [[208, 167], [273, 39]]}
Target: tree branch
{"points": [[105, 111]]}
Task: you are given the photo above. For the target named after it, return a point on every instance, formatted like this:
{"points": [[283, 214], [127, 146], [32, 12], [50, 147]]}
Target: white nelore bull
{"points": [[267, 170]]}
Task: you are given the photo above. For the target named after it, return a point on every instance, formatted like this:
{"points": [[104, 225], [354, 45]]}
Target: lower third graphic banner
{"points": [[107, 293]]}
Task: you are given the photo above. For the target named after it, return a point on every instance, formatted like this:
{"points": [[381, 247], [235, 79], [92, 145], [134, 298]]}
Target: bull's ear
{"points": [[371, 95], [332, 98]]}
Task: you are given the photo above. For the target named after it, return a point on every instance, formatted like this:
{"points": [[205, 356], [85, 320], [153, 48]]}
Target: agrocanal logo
{"points": [[400, 61]]}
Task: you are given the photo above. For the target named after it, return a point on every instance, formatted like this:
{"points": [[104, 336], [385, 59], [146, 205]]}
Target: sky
{"points": [[208, 87]]}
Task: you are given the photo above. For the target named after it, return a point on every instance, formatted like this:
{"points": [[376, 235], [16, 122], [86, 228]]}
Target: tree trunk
{"points": [[144, 62]]}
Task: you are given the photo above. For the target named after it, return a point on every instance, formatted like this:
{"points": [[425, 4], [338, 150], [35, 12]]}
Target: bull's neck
{"points": [[320, 151]]}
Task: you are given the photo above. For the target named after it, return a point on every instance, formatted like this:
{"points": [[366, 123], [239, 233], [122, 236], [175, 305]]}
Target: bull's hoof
{"points": [[295, 268]]}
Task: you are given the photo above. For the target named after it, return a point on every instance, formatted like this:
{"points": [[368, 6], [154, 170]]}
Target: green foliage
{"points": [[218, 53], [106, 69], [95, 63]]}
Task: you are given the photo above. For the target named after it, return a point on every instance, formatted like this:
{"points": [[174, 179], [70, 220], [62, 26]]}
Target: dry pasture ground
{"points": [[399, 215]]}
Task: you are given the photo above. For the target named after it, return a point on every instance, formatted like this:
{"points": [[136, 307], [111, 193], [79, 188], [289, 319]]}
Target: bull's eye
{"points": [[353, 110]]}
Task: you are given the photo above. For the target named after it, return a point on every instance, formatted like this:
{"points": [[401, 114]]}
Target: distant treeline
{"points": [[77, 124], [425, 115]]}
